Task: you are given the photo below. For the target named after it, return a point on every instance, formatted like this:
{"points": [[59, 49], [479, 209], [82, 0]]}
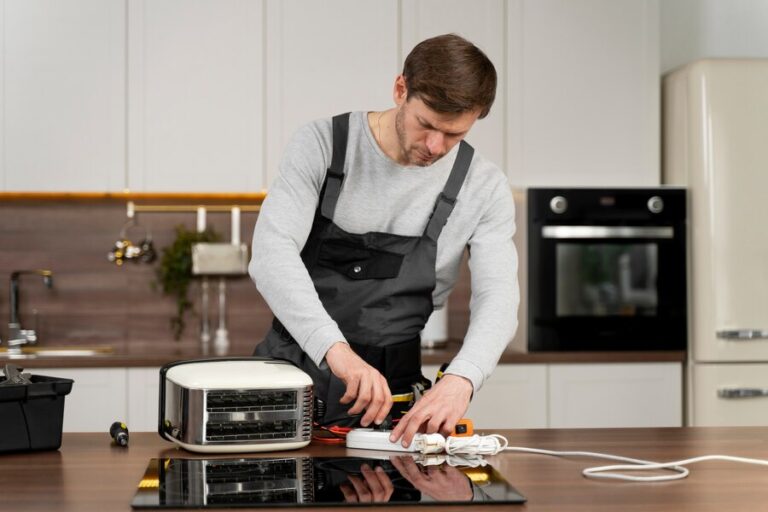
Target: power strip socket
{"points": [[370, 439]]}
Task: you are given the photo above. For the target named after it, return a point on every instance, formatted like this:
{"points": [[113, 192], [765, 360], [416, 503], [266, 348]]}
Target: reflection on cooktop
{"points": [[317, 481]]}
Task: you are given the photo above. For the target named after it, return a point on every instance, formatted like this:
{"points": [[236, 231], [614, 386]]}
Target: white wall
{"points": [[695, 29]]}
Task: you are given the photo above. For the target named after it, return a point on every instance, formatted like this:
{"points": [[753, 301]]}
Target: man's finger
{"points": [[398, 430], [373, 482], [384, 411], [433, 425], [360, 488], [410, 433], [408, 469], [377, 401], [450, 424], [351, 392], [350, 496], [385, 481], [363, 395], [417, 418]]}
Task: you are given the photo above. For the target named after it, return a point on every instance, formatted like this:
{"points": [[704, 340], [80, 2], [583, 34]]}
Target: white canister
{"points": [[435, 333]]}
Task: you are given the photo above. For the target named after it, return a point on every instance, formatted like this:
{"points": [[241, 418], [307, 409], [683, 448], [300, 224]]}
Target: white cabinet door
{"points": [[715, 400], [195, 95], [62, 117], [615, 395], [143, 396], [97, 398], [515, 396], [326, 58], [583, 92]]}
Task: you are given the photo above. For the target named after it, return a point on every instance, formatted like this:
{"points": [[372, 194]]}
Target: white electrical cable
{"points": [[495, 443]]}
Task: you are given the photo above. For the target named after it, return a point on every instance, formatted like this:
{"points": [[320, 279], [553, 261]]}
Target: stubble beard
{"points": [[405, 151]]}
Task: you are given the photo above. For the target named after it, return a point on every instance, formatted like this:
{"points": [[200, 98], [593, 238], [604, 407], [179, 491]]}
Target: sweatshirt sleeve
{"points": [[495, 294], [281, 231]]}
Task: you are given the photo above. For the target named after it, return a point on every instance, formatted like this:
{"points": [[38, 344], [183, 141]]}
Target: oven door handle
{"points": [[566, 232], [730, 393], [743, 334]]}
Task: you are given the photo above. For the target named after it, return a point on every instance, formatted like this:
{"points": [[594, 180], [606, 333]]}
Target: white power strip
{"points": [[492, 444], [370, 439]]}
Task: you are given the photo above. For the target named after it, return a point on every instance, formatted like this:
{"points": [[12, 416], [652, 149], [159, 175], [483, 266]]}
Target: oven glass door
{"points": [[608, 288]]}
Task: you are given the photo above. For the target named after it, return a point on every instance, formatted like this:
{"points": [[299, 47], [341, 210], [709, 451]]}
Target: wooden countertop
{"points": [[155, 354], [89, 474]]}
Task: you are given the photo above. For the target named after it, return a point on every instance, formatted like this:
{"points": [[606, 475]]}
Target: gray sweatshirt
{"points": [[380, 195]]}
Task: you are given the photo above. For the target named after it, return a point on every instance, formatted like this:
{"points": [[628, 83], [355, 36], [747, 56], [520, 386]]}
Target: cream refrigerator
{"points": [[715, 139]]}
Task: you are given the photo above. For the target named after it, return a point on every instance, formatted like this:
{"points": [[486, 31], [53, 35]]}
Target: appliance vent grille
{"points": [[250, 430], [308, 478], [250, 400], [306, 424]]}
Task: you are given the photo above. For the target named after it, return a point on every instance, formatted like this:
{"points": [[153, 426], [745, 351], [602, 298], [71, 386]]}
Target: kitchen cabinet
{"points": [[577, 100], [583, 95], [101, 396], [143, 395], [203, 96], [578, 396], [97, 399], [515, 396], [615, 395], [195, 96], [62, 95], [325, 58]]}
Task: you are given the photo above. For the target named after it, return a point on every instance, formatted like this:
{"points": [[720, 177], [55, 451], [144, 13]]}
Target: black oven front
{"points": [[606, 269]]}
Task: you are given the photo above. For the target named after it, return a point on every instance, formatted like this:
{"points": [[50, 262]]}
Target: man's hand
{"points": [[374, 487], [364, 383], [437, 411], [442, 483]]}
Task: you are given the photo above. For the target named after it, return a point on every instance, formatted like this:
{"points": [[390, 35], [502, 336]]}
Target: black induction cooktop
{"points": [[319, 481]]}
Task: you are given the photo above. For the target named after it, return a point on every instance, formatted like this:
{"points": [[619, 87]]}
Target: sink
{"points": [[33, 352]]}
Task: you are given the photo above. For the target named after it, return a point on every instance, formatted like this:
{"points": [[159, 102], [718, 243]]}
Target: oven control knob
{"points": [[655, 204], [558, 204]]}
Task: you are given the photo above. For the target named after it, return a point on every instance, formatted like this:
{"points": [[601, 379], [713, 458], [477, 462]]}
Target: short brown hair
{"points": [[450, 74]]}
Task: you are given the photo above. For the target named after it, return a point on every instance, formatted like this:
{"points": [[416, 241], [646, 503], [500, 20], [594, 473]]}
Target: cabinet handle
{"points": [[729, 393], [743, 334]]}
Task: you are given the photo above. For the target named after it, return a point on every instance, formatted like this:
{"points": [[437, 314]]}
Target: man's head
{"points": [[446, 85]]}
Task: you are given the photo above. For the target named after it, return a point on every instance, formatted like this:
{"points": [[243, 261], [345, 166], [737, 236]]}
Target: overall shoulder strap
{"points": [[335, 174], [447, 198]]}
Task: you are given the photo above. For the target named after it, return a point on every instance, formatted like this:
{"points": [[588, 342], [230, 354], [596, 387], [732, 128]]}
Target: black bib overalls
{"points": [[376, 286]]}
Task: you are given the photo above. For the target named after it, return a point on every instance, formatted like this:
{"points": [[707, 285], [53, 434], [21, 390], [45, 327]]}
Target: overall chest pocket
{"points": [[359, 262]]}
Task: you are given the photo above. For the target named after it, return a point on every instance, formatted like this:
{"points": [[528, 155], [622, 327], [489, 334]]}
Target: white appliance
{"points": [[235, 404], [716, 144]]}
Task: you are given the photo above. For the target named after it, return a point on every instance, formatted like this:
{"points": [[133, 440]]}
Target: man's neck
{"points": [[382, 125]]}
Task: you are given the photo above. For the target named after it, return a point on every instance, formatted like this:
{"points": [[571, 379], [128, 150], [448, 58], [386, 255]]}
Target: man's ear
{"points": [[400, 91]]}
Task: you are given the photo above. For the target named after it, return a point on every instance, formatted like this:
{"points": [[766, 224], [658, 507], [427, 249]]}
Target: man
{"points": [[363, 232]]}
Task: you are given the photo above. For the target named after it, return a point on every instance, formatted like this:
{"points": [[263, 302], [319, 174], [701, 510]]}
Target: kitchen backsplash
{"points": [[93, 301]]}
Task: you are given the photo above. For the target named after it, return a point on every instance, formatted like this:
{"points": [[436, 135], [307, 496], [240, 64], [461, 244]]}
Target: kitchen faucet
{"points": [[16, 335]]}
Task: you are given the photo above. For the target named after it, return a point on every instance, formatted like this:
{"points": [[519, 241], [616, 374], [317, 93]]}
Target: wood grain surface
{"points": [[88, 473]]}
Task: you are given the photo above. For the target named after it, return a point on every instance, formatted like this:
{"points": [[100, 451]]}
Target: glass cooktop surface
{"points": [[319, 481]]}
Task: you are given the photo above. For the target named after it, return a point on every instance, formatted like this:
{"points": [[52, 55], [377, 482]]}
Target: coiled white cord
{"points": [[495, 443]]}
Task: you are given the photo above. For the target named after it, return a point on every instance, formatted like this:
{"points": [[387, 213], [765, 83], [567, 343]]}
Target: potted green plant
{"points": [[174, 273]]}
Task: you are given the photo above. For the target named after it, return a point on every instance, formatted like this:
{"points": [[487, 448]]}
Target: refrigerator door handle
{"points": [[729, 393], [743, 334]]}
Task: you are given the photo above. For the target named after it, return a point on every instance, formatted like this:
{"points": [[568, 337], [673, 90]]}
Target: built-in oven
{"points": [[606, 269]]}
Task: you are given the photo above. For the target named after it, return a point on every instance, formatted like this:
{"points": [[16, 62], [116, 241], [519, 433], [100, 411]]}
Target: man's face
{"points": [[424, 135]]}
